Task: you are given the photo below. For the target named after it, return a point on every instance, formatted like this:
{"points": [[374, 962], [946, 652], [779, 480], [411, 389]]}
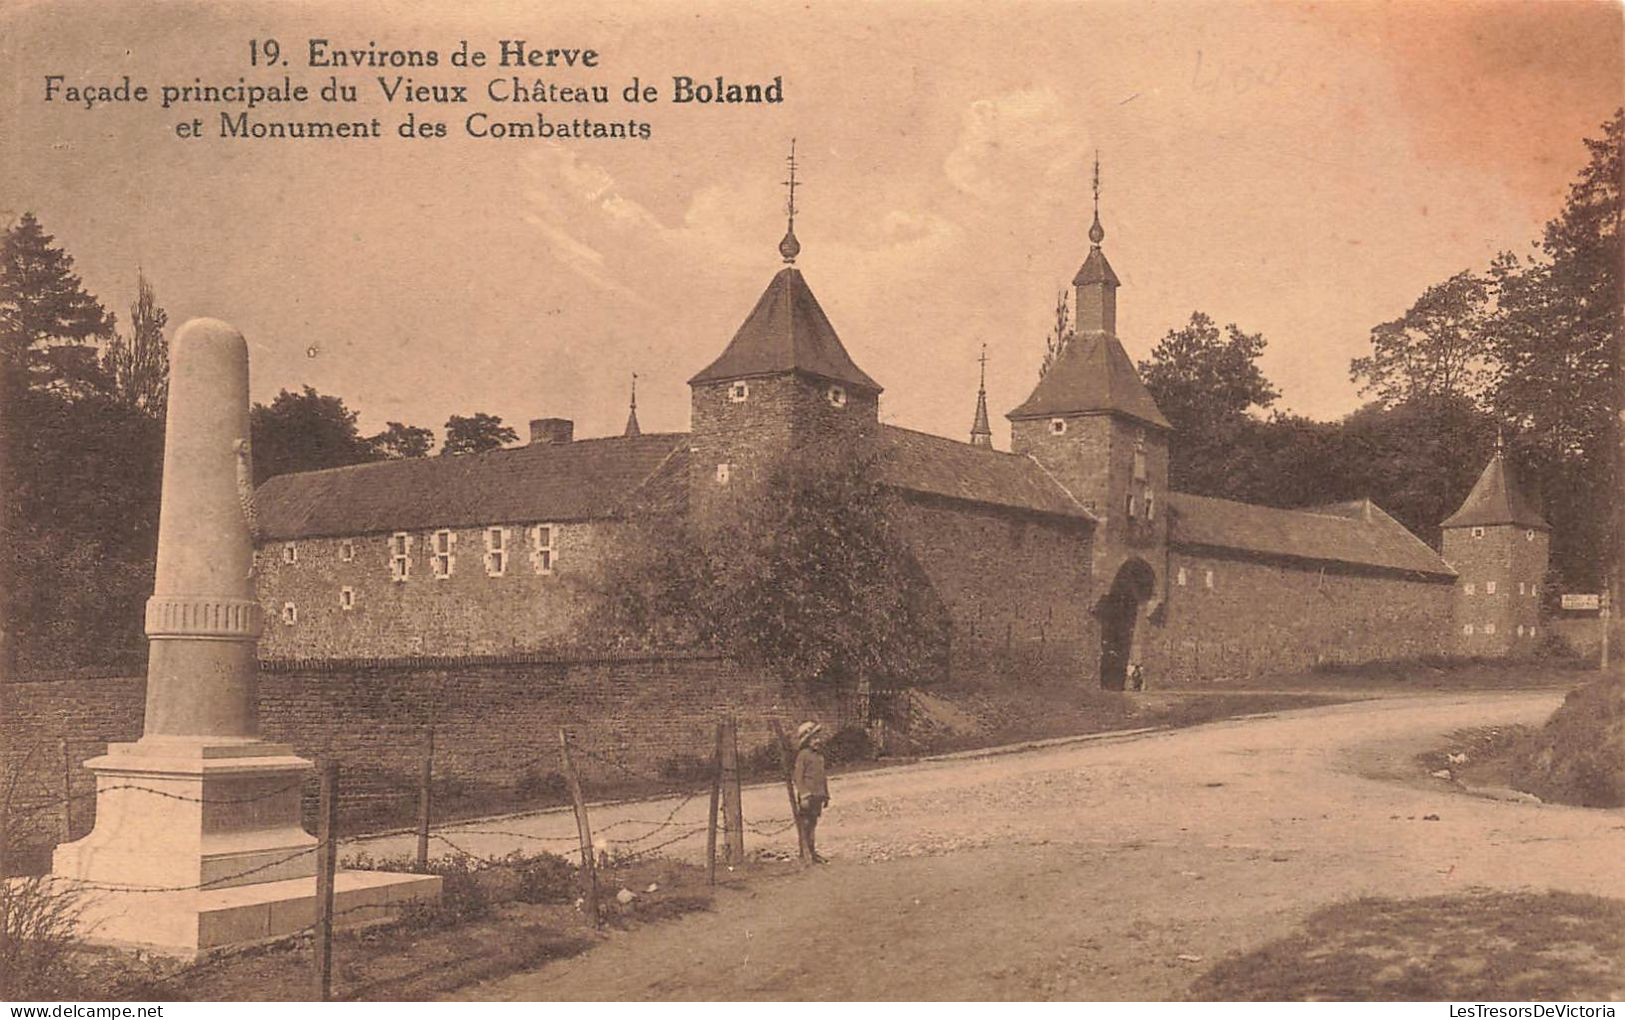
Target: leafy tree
{"points": [[806, 574], [1558, 332], [137, 364], [398, 441], [305, 431], [1206, 383], [476, 434], [46, 319], [1059, 335], [1439, 349]]}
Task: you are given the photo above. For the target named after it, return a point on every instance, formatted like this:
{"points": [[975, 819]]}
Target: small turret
{"points": [[981, 433]]}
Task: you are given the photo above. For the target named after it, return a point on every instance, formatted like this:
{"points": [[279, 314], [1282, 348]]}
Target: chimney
{"points": [[551, 430]]}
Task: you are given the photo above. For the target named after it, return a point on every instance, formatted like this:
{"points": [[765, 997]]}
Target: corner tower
{"points": [[785, 380], [1498, 541], [1093, 424]]}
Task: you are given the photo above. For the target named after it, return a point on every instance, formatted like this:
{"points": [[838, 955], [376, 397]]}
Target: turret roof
{"points": [[1497, 498], [787, 331], [1093, 375]]}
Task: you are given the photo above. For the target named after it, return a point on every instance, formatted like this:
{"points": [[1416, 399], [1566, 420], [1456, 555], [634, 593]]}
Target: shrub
{"points": [[542, 877], [1578, 757], [463, 897], [38, 922], [849, 744]]}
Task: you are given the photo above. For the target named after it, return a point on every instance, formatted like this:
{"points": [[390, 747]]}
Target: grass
{"points": [[1578, 757], [1473, 947]]}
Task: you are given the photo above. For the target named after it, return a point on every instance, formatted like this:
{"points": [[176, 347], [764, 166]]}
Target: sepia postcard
{"points": [[762, 501]]}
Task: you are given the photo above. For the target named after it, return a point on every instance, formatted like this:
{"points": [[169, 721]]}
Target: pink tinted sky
{"points": [[1304, 170]]}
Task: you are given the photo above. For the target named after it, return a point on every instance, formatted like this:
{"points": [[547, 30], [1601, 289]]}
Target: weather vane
{"points": [[789, 248], [983, 360], [1096, 232]]}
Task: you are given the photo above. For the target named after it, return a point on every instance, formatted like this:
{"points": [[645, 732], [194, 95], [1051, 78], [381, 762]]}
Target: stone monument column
{"points": [[198, 841]]}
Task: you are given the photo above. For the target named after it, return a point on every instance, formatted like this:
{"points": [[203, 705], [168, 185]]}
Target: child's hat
{"points": [[806, 730]]}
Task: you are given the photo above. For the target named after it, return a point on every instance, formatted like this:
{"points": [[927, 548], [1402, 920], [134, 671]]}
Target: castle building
{"points": [[1067, 557]]}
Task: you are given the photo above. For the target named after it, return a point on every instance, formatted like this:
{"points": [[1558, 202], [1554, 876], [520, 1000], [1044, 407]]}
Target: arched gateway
{"points": [[1118, 610]]}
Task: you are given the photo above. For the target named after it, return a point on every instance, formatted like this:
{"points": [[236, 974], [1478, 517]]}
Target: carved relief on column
{"points": [[202, 616]]}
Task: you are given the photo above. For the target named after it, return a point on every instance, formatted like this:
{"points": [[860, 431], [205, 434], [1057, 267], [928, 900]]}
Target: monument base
{"points": [[198, 845], [191, 924]]}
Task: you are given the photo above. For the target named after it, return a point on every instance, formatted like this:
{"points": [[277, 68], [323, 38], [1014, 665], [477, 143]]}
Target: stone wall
{"points": [[534, 603], [1501, 569], [1260, 617], [496, 725], [1017, 587]]}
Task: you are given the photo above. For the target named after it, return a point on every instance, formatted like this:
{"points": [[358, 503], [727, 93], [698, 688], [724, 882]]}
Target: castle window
{"points": [[346, 598], [1467, 629], [1520, 587], [724, 472], [739, 392], [1489, 628], [1128, 505], [346, 551], [1520, 630], [290, 614], [1179, 578], [1529, 536], [1531, 630], [496, 551], [290, 553], [1150, 505], [1478, 532], [400, 556], [1057, 426], [541, 548], [444, 542], [837, 396], [1470, 588], [1139, 461], [1489, 587], [1207, 580]]}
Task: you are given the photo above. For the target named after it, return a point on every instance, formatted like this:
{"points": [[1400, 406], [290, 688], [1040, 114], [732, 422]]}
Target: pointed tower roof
{"points": [[1094, 375], [1095, 268], [1497, 498], [787, 331], [632, 427], [981, 433]]}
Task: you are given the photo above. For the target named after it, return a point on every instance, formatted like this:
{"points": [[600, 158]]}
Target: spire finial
{"points": [[789, 248], [1097, 233], [981, 434], [982, 386], [632, 426], [634, 391]]}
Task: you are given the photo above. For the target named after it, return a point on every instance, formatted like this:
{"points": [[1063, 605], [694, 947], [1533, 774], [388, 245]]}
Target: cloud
{"points": [[1014, 136]]}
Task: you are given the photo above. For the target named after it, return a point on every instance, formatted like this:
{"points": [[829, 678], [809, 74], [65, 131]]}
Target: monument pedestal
{"points": [[198, 845]]}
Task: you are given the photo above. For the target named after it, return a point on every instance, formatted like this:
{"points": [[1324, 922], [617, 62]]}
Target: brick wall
{"points": [[1261, 617], [496, 724], [1017, 587], [469, 612]]}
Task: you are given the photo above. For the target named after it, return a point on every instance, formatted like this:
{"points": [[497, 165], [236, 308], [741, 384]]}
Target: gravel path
{"points": [[1113, 869]]}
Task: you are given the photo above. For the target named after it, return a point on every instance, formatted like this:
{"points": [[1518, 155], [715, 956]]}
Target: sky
{"points": [[1303, 170]]}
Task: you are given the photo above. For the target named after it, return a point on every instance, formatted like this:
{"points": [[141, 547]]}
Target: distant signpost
{"points": [[1582, 602]]}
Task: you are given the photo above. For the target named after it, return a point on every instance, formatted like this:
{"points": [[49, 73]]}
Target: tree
{"points": [[807, 574], [476, 434], [1059, 336], [1206, 383], [1558, 331], [305, 431], [137, 364], [398, 441], [1439, 349], [46, 319]]}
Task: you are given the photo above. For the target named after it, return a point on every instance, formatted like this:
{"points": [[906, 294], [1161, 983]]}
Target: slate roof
{"points": [[1095, 269], [1358, 534], [581, 480], [923, 463], [1093, 375], [787, 331], [1497, 498]]}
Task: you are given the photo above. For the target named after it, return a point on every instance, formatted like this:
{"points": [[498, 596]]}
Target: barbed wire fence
{"points": [[621, 842]]}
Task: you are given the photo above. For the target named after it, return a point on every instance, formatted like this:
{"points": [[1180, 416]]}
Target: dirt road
{"points": [[1089, 870]]}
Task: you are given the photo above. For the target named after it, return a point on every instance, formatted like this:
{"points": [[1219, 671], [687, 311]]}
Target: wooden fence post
{"points": [[425, 807], [327, 857], [67, 794], [589, 870], [732, 809], [711, 818], [787, 757]]}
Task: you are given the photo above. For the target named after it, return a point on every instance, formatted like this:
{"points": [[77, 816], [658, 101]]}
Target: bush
{"points": [[542, 878], [1578, 757], [849, 744], [38, 922]]}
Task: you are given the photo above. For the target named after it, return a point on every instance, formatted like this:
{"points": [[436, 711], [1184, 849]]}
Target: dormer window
{"points": [[1057, 426], [738, 393], [1478, 532], [836, 396]]}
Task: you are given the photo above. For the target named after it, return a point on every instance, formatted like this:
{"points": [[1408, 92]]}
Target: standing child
{"points": [[812, 789]]}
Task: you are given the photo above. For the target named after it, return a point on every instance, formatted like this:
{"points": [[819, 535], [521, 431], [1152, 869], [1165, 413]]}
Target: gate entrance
{"points": [[1119, 611]]}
